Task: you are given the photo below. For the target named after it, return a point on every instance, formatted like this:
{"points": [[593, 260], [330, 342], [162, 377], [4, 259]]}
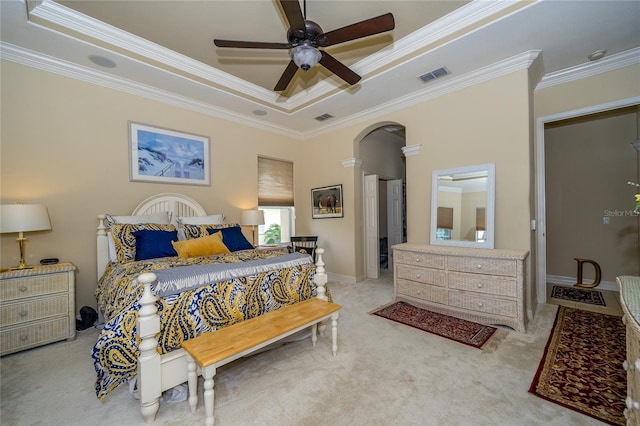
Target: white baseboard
{"points": [[341, 278], [571, 281]]}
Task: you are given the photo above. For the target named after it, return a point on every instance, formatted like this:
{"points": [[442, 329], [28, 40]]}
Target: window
{"points": [[275, 199]]}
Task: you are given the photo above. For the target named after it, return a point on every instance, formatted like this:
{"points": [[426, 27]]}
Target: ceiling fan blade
{"points": [[286, 77], [338, 68], [295, 18], [251, 44], [360, 29]]}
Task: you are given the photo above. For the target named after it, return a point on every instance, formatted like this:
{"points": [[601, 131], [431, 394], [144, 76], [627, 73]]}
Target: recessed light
{"points": [[102, 61], [259, 112], [598, 54]]}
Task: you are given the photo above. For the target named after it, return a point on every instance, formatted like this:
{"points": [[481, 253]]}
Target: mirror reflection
{"points": [[463, 204]]}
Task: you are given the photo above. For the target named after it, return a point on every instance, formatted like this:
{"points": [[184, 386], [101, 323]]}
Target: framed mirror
{"points": [[463, 206]]}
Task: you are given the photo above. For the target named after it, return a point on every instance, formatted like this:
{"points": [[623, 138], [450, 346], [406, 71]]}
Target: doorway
{"points": [[384, 213]]}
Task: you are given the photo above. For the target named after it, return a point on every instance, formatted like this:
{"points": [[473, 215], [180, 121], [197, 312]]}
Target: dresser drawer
{"points": [[419, 259], [18, 288], [421, 291], [507, 308], [422, 275], [497, 286], [34, 309], [34, 334], [476, 265]]}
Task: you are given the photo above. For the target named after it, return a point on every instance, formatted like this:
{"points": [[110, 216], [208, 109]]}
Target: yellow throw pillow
{"points": [[203, 246]]}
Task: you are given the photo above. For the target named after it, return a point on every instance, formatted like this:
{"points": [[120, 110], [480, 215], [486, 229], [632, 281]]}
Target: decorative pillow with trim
{"points": [[151, 244], [202, 230], [203, 246], [233, 238], [125, 241]]}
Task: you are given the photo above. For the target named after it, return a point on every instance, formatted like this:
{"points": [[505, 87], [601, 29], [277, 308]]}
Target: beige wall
{"points": [[65, 145], [588, 164]]}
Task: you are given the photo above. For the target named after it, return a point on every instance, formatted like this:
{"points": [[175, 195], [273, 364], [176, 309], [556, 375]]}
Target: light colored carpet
{"points": [[385, 374]]}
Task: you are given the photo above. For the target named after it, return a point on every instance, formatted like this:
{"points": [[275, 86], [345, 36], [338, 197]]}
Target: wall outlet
{"points": [[606, 220]]}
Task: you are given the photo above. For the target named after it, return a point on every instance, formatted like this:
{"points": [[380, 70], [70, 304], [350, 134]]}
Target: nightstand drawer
{"points": [[422, 275], [495, 285], [478, 265], [34, 334], [18, 288], [419, 259], [34, 309]]}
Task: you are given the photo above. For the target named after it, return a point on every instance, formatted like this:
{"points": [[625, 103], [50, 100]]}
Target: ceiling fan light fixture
{"points": [[305, 56]]}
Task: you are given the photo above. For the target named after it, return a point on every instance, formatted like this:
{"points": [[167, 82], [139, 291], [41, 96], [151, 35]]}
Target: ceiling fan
{"points": [[306, 37]]}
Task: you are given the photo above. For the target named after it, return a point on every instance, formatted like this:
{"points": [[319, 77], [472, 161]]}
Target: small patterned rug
{"points": [[580, 295], [581, 368], [456, 329]]}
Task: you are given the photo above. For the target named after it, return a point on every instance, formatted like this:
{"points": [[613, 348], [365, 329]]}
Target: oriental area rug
{"points": [[581, 368], [459, 330], [592, 297]]}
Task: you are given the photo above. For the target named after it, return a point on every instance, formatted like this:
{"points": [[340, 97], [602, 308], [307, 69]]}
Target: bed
{"points": [[149, 306]]}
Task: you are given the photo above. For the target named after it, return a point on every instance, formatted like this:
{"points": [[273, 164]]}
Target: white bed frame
{"points": [[157, 373]]}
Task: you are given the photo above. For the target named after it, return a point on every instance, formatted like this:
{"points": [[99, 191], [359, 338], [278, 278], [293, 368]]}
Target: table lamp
{"points": [[22, 218], [252, 218]]}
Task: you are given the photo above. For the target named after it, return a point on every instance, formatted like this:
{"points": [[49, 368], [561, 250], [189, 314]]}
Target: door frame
{"points": [[541, 211]]}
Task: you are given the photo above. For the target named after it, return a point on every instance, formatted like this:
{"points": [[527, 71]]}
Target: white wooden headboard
{"points": [[176, 204]]}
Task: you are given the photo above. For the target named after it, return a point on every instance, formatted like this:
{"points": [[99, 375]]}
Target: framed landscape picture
{"points": [[168, 156], [327, 202]]}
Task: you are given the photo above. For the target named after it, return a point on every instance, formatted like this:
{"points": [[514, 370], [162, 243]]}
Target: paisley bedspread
{"points": [[190, 312]]}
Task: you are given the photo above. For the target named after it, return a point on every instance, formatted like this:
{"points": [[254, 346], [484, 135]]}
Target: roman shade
{"points": [[275, 182], [445, 217]]}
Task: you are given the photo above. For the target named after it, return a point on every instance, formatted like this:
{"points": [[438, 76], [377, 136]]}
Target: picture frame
{"points": [[326, 202], [162, 155]]}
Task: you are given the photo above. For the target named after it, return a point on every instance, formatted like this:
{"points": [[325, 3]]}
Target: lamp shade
{"points": [[23, 218], [252, 217], [305, 56]]}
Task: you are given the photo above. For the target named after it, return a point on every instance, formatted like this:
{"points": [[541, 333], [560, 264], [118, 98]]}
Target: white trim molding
{"points": [[411, 150], [571, 281], [351, 162]]}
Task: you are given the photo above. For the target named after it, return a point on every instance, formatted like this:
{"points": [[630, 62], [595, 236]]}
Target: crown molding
{"points": [[42, 62], [450, 85], [589, 69]]}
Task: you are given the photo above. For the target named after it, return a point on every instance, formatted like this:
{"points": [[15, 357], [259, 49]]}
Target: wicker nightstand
{"points": [[36, 306]]}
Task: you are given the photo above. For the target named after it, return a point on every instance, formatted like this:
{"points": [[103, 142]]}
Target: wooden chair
{"points": [[305, 244]]}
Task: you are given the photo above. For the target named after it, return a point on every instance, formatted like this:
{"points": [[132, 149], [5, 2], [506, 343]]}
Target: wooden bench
{"points": [[214, 349]]}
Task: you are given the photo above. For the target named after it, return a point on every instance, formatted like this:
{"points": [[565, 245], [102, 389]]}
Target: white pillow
{"points": [[162, 218], [214, 219]]}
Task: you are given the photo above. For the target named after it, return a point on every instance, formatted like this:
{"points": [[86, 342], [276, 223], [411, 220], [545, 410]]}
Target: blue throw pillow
{"points": [[233, 238], [151, 244]]}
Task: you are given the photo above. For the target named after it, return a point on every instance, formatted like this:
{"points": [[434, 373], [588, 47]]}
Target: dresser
{"points": [[630, 302], [479, 285], [37, 306]]}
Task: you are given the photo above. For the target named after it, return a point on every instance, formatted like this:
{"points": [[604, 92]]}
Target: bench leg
{"points": [[334, 333], [314, 334], [208, 373], [192, 379]]}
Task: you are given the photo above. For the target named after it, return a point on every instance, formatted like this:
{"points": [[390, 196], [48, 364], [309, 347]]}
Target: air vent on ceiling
{"points": [[430, 76], [324, 117]]}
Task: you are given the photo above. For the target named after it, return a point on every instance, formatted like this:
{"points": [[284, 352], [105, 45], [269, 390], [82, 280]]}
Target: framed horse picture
{"points": [[327, 202]]}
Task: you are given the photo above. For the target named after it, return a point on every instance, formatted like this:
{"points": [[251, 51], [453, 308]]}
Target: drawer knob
{"points": [[479, 285], [417, 275], [417, 260], [480, 305], [479, 266], [626, 365], [636, 364], [631, 404], [23, 314], [23, 288], [418, 291]]}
